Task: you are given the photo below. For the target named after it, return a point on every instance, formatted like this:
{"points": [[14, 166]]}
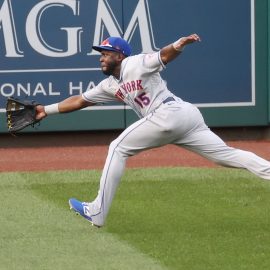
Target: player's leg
{"points": [[204, 142], [143, 134]]}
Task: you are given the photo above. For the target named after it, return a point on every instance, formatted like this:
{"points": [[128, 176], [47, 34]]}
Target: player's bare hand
{"points": [[189, 39], [40, 112], [183, 41]]}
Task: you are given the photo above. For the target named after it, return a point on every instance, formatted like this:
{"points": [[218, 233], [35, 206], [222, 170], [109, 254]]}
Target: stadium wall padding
{"points": [[46, 54]]}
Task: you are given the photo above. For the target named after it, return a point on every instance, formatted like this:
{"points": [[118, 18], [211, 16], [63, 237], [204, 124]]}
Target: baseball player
{"points": [[164, 118]]}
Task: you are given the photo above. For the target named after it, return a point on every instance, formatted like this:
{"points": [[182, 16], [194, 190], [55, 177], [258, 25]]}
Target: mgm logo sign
{"points": [[46, 45], [38, 22]]}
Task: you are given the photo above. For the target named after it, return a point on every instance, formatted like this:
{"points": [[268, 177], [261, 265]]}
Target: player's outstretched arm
{"points": [[70, 104], [170, 52]]}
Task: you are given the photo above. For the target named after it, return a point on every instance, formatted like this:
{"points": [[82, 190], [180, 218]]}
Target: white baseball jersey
{"points": [[140, 85]]}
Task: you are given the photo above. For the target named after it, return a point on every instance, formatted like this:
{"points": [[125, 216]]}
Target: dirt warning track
{"points": [[61, 151]]}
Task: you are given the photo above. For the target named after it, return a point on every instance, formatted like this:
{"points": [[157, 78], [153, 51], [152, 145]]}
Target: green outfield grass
{"points": [[172, 218]]}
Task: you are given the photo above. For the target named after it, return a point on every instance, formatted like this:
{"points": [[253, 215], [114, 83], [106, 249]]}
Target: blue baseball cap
{"points": [[115, 44]]}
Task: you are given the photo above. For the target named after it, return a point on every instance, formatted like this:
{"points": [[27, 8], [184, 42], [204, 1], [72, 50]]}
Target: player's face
{"points": [[109, 61]]}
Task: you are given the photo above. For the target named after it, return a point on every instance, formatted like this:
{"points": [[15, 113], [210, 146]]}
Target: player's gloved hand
{"points": [[20, 113]]}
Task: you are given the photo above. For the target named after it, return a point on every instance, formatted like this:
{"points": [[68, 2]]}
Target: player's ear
{"points": [[120, 57]]}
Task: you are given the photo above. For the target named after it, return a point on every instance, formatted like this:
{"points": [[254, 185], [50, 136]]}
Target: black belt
{"points": [[168, 99]]}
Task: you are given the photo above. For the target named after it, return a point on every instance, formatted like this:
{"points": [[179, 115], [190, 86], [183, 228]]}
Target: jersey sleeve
{"points": [[152, 62], [99, 94]]}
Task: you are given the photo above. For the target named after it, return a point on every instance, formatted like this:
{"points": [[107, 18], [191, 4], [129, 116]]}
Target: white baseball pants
{"points": [[178, 123]]}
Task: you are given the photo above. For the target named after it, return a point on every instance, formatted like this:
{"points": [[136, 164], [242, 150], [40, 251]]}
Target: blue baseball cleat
{"points": [[81, 208]]}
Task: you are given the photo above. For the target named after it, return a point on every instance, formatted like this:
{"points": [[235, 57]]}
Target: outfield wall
{"points": [[46, 54]]}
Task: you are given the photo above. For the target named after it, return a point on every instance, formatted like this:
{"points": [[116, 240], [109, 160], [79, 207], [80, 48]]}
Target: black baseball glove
{"points": [[20, 114]]}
